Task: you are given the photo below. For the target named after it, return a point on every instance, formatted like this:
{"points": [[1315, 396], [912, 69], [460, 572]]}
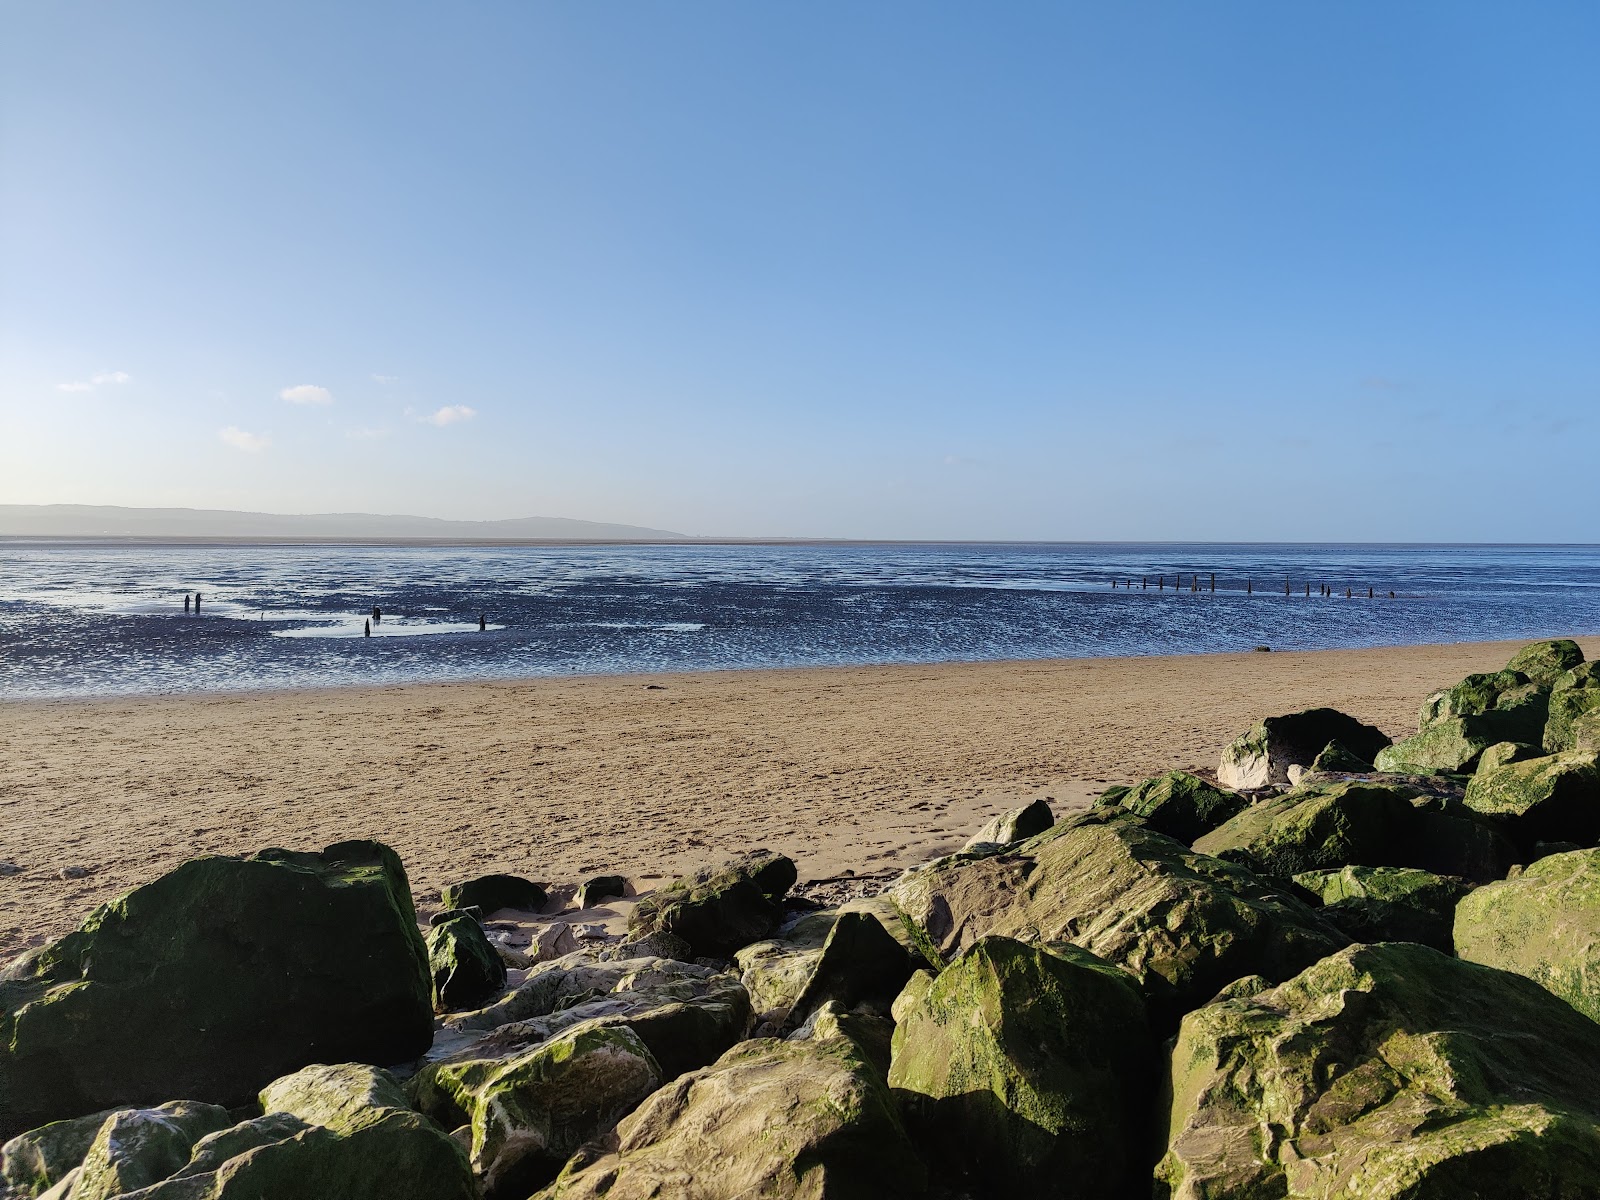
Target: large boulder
{"points": [[1543, 662], [1262, 756], [1452, 745], [1389, 904], [529, 1113], [1184, 923], [1015, 825], [1544, 924], [466, 969], [137, 1147], [1511, 705], [215, 979], [1388, 1072], [802, 1119], [490, 893], [846, 957], [1356, 822], [1575, 694], [1028, 1071], [719, 909], [1181, 805], [36, 1160], [1555, 798]]}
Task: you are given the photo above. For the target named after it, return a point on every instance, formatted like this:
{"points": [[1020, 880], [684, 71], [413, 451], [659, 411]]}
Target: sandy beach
{"points": [[864, 769]]}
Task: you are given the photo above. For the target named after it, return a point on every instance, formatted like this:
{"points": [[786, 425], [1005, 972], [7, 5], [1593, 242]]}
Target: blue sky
{"points": [[1173, 270]]}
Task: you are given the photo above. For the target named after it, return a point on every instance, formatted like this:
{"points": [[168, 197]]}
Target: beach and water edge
{"points": [[852, 770]]}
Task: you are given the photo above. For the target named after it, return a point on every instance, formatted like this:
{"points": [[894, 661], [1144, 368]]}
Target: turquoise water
{"points": [[92, 619]]}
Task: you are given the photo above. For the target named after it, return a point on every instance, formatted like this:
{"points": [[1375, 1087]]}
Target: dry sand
{"points": [[862, 769]]}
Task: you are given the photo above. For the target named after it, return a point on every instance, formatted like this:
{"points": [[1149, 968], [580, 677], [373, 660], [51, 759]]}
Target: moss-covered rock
{"points": [[1184, 923], [1388, 1072], [775, 971], [1544, 924], [1586, 731], [1263, 755], [1338, 759], [1389, 904], [1181, 805], [1027, 1071], [1013, 826], [1555, 798], [1501, 753], [466, 969], [1362, 823], [1568, 706], [1474, 695], [1452, 744], [600, 888], [1544, 662], [215, 979], [490, 893], [805, 1119], [137, 1147], [338, 1095], [35, 1160], [529, 1113], [719, 909]]}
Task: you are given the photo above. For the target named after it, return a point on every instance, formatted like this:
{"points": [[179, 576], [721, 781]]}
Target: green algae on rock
{"points": [[719, 909], [529, 1113], [1027, 1070], [1544, 924], [1389, 904], [1184, 923], [490, 893], [1014, 826], [231, 971], [137, 1147], [1543, 662], [802, 1119], [1388, 1072], [466, 969], [1555, 798], [1181, 805]]}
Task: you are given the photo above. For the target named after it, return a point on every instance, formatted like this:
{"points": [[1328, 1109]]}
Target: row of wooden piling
{"points": [[1323, 589]]}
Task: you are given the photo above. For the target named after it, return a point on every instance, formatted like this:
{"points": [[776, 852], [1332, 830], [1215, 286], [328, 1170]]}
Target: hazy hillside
{"points": [[97, 520]]}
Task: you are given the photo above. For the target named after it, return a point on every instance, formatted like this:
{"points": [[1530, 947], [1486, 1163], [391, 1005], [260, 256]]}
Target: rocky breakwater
{"points": [[1339, 981]]}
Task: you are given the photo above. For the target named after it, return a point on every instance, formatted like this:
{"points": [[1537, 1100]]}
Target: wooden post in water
{"points": [[1249, 584], [1369, 593], [1213, 581], [1144, 582], [1161, 583], [1286, 587], [1308, 591]]}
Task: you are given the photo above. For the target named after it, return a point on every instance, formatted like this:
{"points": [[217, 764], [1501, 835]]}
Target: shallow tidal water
{"points": [[81, 618]]}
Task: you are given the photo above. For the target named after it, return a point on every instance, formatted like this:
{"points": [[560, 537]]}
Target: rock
{"points": [[8, 869], [1543, 662], [1015, 825], [450, 914], [779, 1120], [1586, 731], [1360, 823], [685, 1014], [1544, 924], [1181, 805], [1029, 1070], [1338, 759], [719, 909], [775, 971], [137, 1147], [659, 944], [1453, 744], [33, 1161], [529, 1113], [338, 1096], [1262, 757], [216, 1149], [1575, 694], [1389, 904], [860, 964], [1112, 795], [601, 887], [466, 969], [1388, 1072], [1501, 753], [491, 893], [232, 972], [552, 941], [1184, 923], [74, 872], [1473, 696], [1554, 798]]}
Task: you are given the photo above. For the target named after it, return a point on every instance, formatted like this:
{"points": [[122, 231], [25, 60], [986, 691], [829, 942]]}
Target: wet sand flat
{"points": [[855, 768]]}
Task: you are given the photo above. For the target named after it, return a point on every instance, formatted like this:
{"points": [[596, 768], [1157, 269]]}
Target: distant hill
{"points": [[103, 520]]}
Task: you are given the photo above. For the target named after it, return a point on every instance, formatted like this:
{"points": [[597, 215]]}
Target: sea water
{"points": [[80, 618]]}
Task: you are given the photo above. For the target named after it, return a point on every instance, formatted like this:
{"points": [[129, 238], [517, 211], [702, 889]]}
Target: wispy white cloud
{"points": [[240, 439], [450, 414], [94, 381], [367, 433], [306, 393], [386, 378]]}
